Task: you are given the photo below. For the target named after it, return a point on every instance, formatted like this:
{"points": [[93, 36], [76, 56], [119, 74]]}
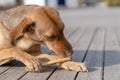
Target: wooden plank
{"points": [[63, 75], [70, 75], [94, 58], [68, 31], [13, 73], [16, 72], [75, 36], [39, 76], [112, 56], [5, 67], [82, 44]]}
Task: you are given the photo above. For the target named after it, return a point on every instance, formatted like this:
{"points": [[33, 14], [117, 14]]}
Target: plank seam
{"points": [[87, 50], [51, 73], [9, 68], [90, 44], [22, 76], [103, 64]]}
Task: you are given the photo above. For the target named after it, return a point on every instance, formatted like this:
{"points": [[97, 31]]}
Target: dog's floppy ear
{"points": [[20, 29], [54, 15]]}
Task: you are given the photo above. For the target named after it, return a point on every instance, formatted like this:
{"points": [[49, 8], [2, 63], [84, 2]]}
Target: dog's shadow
{"points": [[94, 59]]}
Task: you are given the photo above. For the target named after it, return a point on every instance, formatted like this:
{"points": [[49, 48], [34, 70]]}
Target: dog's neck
{"points": [[26, 43]]}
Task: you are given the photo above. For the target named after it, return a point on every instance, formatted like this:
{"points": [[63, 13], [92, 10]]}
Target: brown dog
{"points": [[24, 28]]}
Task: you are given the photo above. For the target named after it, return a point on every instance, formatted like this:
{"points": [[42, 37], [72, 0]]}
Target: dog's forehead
{"points": [[48, 17], [51, 32]]}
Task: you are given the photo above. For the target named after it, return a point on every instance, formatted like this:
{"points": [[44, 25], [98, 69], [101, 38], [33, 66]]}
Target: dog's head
{"points": [[45, 26]]}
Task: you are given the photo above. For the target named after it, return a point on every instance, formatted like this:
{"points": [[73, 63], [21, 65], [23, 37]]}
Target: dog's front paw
{"points": [[33, 65], [75, 66]]}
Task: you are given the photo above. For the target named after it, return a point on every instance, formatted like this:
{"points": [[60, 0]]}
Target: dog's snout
{"points": [[69, 53], [61, 47], [68, 50]]}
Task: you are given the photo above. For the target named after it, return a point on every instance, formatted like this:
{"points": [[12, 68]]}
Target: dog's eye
{"points": [[52, 37], [30, 27], [33, 25]]}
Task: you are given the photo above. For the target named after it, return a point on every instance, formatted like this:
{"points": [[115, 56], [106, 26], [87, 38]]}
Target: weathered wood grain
{"points": [[5, 67], [13, 73], [94, 58], [39, 76], [112, 56]]}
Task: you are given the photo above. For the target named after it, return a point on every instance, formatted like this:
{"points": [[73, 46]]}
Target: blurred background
{"points": [[61, 3], [78, 13]]}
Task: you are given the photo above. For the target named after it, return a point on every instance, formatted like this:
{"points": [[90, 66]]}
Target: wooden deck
{"points": [[98, 47]]}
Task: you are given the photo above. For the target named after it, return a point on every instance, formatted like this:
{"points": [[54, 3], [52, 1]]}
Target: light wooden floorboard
{"points": [[112, 56], [94, 58], [13, 73]]}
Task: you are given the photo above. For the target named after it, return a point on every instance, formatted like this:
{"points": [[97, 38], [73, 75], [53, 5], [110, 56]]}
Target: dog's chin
{"points": [[63, 54], [36, 41], [66, 54]]}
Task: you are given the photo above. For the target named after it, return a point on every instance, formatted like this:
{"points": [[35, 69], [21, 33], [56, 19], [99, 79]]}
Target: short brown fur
{"points": [[25, 28]]}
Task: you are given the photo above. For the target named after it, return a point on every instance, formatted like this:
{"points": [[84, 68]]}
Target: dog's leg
{"points": [[31, 62], [69, 65]]}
